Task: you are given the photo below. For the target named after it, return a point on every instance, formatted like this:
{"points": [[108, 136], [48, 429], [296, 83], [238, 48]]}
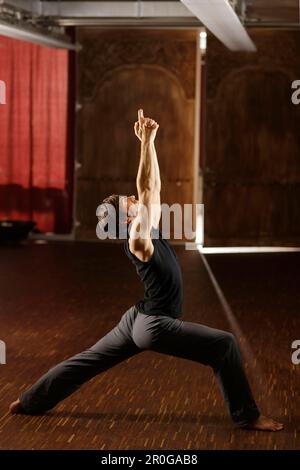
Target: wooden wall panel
{"points": [[252, 167], [120, 71]]}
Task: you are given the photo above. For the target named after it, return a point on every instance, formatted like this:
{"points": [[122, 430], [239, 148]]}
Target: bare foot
{"points": [[16, 407], [262, 423]]}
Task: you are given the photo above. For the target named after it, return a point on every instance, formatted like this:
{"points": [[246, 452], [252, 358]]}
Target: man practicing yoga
{"points": [[152, 323]]}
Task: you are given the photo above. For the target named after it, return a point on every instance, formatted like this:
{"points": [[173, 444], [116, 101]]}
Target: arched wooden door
{"points": [[252, 164], [120, 71]]}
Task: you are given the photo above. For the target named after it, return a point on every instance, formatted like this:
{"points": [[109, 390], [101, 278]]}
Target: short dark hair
{"points": [[114, 200]]}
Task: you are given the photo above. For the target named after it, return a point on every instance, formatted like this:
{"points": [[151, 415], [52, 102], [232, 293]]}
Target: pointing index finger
{"points": [[140, 114]]}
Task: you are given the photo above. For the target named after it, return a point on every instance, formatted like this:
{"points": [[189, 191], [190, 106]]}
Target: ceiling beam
{"points": [[220, 18], [32, 6], [217, 15], [115, 9]]}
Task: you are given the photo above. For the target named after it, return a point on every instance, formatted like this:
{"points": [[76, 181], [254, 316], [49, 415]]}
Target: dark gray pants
{"points": [[137, 332]]}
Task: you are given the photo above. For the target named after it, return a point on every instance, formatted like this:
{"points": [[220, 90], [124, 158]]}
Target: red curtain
{"points": [[34, 165]]}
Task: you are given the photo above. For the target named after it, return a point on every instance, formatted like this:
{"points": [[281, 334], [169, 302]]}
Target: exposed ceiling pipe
{"points": [[24, 33], [20, 20], [32, 6]]}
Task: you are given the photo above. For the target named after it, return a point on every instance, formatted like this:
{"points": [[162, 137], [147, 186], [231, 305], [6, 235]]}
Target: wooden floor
{"points": [[57, 299]]}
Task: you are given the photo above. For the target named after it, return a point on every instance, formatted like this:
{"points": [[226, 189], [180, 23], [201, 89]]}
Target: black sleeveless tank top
{"points": [[162, 279]]}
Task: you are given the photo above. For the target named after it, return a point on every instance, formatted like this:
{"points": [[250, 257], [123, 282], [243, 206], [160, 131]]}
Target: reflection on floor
{"points": [[60, 298]]}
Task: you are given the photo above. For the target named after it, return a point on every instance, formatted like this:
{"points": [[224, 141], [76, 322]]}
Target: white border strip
{"points": [[244, 249]]}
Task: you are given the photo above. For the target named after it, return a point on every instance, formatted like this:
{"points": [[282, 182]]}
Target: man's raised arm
{"points": [[148, 177], [148, 187]]}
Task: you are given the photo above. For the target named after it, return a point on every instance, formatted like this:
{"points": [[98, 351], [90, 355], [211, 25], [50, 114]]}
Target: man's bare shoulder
{"points": [[141, 248]]}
